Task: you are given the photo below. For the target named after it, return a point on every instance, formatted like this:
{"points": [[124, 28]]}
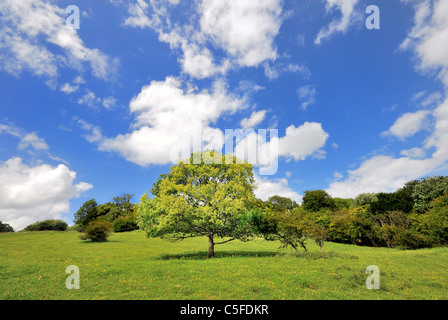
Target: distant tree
{"points": [[47, 225], [317, 200], [124, 203], [109, 211], [387, 202], [433, 224], [287, 226], [87, 213], [343, 204], [364, 199], [282, 202], [4, 227], [428, 189], [207, 199]]}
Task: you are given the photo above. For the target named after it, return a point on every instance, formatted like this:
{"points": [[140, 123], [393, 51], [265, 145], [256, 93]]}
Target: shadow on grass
{"points": [[202, 255]]}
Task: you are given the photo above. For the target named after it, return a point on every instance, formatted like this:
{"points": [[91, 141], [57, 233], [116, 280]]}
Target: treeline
{"points": [[415, 216]]}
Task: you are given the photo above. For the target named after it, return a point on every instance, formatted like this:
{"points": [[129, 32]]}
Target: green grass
{"points": [[130, 266]]}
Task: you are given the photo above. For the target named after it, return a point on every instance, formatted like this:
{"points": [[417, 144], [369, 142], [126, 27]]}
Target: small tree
{"points": [[209, 199], [97, 231], [87, 213]]}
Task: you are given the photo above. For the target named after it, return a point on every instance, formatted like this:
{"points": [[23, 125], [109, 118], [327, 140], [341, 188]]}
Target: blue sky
{"points": [[94, 112]]}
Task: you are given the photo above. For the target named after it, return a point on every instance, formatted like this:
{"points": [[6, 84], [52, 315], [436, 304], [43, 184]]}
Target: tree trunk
{"points": [[211, 247]]}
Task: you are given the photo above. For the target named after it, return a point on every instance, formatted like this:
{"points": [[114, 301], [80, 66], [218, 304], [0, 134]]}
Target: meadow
{"points": [[131, 267]]}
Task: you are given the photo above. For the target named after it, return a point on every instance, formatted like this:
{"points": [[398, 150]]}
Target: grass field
{"points": [[130, 266]]}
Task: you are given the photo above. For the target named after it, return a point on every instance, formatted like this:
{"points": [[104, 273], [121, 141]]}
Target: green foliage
{"points": [[87, 213], [206, 199], [391, 202], [123, 224], [4, 227], [286, 226], [97, 231], [428, 189], [343, 204], [282, 202], [47, 225], [317, 200], [364, 199], [434, 223]]}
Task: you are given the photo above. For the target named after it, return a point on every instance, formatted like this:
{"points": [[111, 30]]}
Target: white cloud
{"points": [[307, 96], [408, 125], [267, 188], [417, 153], [33, 140], [165, 113], [297, 144], [89, 99], [35, 193], [109, 102], [69, 89], [29, 30], [302, 142], [243, 30], [429, 38], [274, 71], [255, 118], [26, 139], [380, 174], [348, 16]]}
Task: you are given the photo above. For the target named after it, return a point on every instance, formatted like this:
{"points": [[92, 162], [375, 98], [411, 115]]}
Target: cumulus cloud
{"points": [[255, 118], [165, 113], [408, 125], [267, 188], [243, 30], [28, 32], [34, 193]]}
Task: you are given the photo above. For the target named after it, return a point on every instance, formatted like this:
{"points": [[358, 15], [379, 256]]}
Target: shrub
{"points": [[47, 225], [4, 227], [123, 224], [97, 231]]}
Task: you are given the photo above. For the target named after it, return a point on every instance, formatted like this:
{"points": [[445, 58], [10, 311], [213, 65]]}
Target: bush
{"points": [[123, 224], [4, 227], [47, 225], [97, 231]]}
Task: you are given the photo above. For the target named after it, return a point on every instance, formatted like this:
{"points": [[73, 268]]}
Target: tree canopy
{"points": [[206, 199]]}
